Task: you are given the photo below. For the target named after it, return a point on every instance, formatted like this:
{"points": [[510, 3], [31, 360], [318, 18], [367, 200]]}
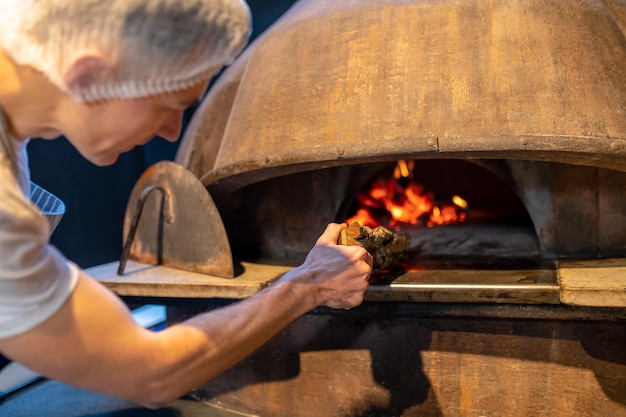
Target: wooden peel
{"points": [[171, 220], [386, 247]]}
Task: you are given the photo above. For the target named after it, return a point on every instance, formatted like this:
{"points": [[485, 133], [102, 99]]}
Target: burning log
{"points": [[387, 248]]}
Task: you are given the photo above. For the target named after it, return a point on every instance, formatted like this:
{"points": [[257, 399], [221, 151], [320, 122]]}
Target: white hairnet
{"points": [[156, 46]]}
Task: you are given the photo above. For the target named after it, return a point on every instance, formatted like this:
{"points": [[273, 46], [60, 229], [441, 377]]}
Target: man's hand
{"points": [[337, 274]]}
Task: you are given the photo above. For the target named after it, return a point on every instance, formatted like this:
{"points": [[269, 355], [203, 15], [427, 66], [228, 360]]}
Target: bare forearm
{"points": [[102, 349], [227, 335]]}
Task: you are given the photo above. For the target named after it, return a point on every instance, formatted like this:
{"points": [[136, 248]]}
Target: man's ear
{"points": [[84, 71]]}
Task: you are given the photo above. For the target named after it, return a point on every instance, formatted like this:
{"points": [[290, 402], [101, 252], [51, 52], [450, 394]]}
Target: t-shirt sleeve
{"points": [[35, 278]]}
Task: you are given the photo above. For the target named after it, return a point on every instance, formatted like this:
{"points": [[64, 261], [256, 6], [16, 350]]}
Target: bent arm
{"points": [[92, 342]]}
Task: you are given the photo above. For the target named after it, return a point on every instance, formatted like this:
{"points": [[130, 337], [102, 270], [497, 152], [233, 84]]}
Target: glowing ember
{"points": [[392, 203]]}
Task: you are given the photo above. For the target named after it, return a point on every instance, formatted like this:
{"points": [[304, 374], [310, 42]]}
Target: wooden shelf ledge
{"points": [[596, 283], [531, 286]]}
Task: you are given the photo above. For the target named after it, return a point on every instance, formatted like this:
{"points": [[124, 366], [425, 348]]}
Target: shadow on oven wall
{"points": [[385, 360]]}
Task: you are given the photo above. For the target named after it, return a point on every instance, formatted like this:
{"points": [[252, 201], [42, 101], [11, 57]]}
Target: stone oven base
{"points": [[434, 360], [466, 355]]}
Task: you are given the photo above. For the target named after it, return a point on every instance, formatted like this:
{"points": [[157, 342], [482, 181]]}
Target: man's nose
{"points": [[170, 129]]}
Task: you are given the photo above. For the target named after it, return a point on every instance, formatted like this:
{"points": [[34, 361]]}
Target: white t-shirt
{"points": [[35, 278]]}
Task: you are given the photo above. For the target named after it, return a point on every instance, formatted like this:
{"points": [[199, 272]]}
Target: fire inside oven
{"points": [[450, 209]]}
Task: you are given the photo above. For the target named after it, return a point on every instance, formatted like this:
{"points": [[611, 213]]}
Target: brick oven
{"points": [[517, 106]]}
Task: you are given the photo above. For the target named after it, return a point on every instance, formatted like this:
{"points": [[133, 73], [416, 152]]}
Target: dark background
{"points": [[95, 197]]}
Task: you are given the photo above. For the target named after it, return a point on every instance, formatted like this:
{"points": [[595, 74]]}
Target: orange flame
{"points": [[396, 204]]}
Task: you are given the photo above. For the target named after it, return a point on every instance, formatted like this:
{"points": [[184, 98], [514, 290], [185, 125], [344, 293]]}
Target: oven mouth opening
{"points": [[493, 256], [527, 220]]}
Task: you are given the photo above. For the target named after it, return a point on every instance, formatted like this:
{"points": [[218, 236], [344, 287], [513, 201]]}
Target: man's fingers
{"points": [[369, 259], [346, 303], [331, 234]]}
